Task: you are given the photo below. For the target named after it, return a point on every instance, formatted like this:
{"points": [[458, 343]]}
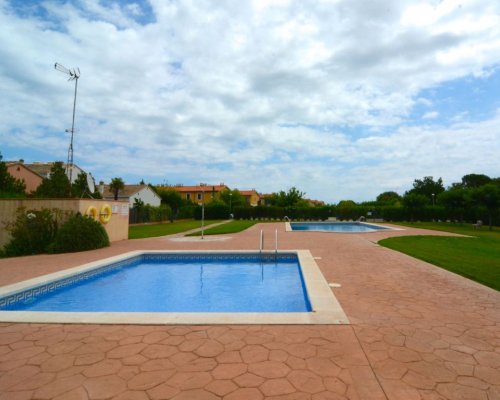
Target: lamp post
{"points": [[433, 199], [230, 202], [202, 185], [74, 74]]}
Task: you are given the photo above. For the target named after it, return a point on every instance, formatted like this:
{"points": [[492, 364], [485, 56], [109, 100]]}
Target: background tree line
{"points": [[475, 197]]}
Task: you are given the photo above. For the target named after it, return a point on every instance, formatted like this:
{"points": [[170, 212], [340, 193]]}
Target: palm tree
{"points": [[116, 185]]}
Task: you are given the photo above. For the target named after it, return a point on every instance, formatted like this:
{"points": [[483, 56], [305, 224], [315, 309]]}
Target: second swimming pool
{"points": [[342, 227]]}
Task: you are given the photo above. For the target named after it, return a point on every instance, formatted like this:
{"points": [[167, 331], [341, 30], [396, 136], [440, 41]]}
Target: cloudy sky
{"points": [[343, 99]]}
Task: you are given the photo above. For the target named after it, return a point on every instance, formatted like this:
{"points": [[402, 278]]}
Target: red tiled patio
{"points": [[417, 332]]}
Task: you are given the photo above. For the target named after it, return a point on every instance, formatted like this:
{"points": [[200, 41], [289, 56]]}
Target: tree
{"points": [[172, 198], [427, 187], [346, 203], [292, 198], [56, 185], [232, 198], [389, 198], [488, 196], [9, 186], [455, 199], [413, 202], [471, 181], [116, 185], [79, 186]]}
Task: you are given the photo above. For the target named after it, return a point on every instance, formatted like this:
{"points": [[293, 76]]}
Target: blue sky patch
{"points": [[475, 99]]}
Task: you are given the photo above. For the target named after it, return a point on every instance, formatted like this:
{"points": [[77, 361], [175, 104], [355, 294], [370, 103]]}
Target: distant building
{"points": [[252, 198], [263, 199], [199, 194], [315, 203], [43, 169], [20, 171], [34, 173], [131, 193]]}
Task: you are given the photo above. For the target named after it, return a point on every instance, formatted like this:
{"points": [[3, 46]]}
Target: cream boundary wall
{"points": [[116, 228], [326, 309]]}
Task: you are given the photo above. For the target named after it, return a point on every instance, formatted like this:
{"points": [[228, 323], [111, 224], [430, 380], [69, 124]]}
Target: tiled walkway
{"points": [[417, 332]]}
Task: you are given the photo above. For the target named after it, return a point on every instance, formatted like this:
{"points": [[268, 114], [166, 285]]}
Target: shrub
{"points": [[185, 212], [31, 232], [142, 213], [79, 233]]}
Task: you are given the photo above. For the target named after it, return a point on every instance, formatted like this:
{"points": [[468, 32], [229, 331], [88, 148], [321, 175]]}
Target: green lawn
{"points": [[477, 258], [230, 227], [145, 231]]}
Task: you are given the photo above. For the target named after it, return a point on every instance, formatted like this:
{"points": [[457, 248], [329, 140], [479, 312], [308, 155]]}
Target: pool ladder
{"points": [[261, 247]]}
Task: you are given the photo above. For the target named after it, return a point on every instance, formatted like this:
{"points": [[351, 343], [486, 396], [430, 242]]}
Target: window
{"points": [[188, 196], [199, 196]]}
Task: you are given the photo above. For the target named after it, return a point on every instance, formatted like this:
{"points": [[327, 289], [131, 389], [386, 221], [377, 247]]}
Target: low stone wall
{"points": [[117, 227]]}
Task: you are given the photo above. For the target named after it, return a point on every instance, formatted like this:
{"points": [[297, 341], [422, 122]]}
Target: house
{"points": [[20, 171], [43, 169], [263, 199], [200, 193], [131, 193], [315, 203], [252, 198]]}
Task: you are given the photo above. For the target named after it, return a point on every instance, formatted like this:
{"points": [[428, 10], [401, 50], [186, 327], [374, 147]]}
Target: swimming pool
{"points": [[343, 227], [178, 283], [178, 287]]}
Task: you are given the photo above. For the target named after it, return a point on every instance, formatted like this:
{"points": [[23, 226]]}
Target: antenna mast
{"points": [[73, 74]]}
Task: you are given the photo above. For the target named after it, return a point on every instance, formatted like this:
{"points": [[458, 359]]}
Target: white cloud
{"points": [[430, 115], [240, 92]]}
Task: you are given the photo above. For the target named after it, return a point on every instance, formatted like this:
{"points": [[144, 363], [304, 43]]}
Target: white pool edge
{"points": [[326, 308]]}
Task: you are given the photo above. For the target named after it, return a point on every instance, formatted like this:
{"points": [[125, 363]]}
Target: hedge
{"points": [[352, 212], [148, 213]]}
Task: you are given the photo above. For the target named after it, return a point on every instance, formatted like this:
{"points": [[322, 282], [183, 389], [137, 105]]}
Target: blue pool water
{"points": [[153, 283], [335, 227]]}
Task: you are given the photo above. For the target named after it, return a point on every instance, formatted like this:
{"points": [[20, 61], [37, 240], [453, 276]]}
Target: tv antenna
{"points": [[73, 74]]}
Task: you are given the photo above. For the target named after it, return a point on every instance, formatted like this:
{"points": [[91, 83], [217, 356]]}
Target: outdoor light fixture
{"points": [[74, 74]]}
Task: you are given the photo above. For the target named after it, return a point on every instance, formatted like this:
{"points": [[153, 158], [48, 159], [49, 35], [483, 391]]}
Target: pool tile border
{"points": [[326, 308]]}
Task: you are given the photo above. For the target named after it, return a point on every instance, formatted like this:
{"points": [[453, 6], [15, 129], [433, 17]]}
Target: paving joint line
{"points": [[369, 363]]}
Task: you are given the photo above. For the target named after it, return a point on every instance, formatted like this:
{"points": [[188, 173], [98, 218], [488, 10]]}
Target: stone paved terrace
{"points": [[417, 332]]}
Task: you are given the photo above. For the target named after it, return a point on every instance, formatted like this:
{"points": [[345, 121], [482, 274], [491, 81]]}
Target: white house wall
{"points": [[147, 196]]}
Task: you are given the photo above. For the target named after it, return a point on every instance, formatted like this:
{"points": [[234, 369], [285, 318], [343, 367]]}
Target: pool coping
{"points": [[288, 226], [326, 308]]}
